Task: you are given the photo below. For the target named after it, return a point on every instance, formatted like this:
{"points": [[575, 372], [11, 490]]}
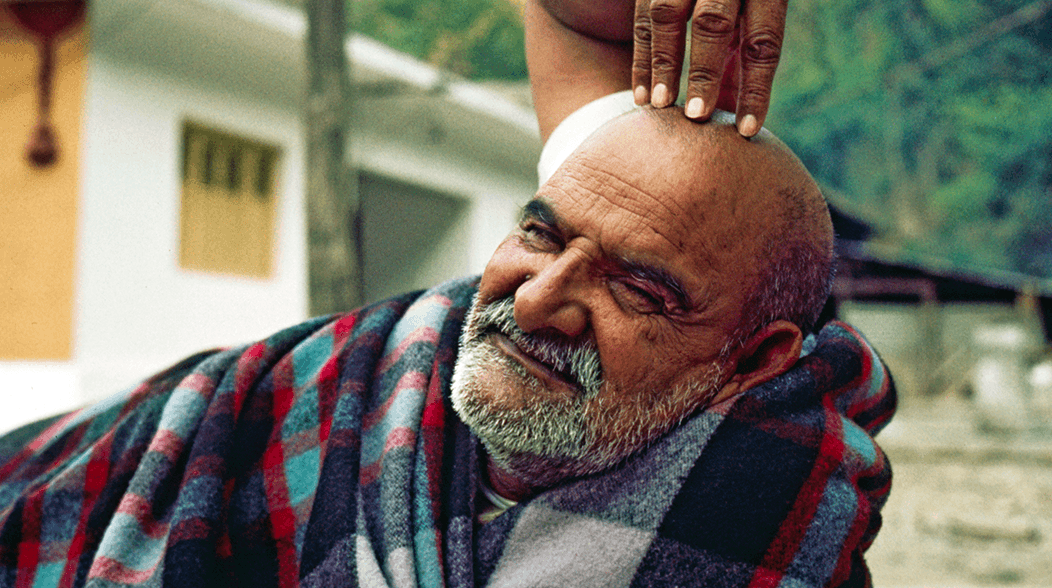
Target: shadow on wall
{"points": [[412, 238]]}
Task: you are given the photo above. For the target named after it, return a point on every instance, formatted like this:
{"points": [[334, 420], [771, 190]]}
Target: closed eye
{"points": [[540, 237], [637, 298], [539, 227], [654, 289]]}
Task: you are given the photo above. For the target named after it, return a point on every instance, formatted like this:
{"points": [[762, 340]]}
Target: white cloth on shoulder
{"points": [[577, 127]]}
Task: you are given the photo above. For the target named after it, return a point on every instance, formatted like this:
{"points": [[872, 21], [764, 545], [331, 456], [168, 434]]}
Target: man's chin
{"points": [[530, 432], [544, 436]]}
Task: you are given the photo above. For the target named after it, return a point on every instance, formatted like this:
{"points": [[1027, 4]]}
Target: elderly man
{"points": [[636, 291], [619, 400]]}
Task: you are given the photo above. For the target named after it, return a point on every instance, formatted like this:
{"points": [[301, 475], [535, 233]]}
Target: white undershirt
{"points": [[497, 503], [577, 127]]}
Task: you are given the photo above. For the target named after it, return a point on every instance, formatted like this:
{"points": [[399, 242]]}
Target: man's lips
{"points": [[536, 367]]}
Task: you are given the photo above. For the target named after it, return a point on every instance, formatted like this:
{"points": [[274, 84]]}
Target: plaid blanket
{"points": [[328, 455]]}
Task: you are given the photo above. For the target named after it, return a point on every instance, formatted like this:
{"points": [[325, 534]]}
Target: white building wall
{"points": [[137, 310], [494, 197]]}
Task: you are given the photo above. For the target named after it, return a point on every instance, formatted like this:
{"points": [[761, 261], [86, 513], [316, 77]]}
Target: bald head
{"points": [[663, 267], [752, 201]]}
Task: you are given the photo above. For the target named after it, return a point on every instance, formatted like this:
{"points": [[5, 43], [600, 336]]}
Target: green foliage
{"points": [[953, 14], [920, 112], [930, 116], [964, 197], [473, 38]]}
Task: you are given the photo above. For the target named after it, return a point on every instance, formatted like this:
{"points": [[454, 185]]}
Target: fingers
{"points": [[668, 35], [712, 34], [735, 48], [641, 53], [763, 28]]}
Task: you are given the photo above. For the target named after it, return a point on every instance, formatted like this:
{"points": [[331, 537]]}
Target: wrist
{"points": [[603, 20]]}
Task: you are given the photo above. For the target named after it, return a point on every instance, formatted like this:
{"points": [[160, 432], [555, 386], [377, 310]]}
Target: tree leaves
{"points": [[478, 39], [935, 113]]}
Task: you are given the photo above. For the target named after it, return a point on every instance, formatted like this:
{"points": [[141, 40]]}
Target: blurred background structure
{"points": [[173, 217]]}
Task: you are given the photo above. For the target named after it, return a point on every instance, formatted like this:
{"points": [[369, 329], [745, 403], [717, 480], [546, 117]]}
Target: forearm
{"points": [[576, 51], [579, 50], [604, 20]]}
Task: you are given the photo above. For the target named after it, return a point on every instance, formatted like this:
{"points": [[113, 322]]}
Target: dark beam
{"points": [[333, 223]]}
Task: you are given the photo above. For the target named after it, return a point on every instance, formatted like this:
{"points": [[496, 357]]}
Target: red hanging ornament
{"points": [[46, 20]]}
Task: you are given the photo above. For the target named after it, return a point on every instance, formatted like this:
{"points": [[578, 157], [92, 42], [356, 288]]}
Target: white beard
{"points": [[544, 437]]}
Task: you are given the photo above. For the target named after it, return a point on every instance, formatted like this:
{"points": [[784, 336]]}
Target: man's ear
{"points": [[769, 353]]}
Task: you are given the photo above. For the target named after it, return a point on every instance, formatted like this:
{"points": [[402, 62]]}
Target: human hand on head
{"points": [[735, 46]]}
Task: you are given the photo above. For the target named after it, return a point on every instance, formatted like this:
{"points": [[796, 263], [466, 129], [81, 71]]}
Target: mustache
{"points": [[578, 361]]}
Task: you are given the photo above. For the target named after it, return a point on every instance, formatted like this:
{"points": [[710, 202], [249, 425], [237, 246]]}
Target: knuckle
{"points": [[702, 77], [641, 31], [712, 19], [753, 96], [762, 47], [662, 61], [668, 11]]}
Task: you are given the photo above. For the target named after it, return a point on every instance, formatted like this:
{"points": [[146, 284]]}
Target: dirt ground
{"points": [[967, 508]]}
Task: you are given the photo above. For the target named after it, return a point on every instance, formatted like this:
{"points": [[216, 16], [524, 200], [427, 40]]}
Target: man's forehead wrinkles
{"points": [[579, 196], [619, 185], [650, 212], [638, 223], [633, 228]]}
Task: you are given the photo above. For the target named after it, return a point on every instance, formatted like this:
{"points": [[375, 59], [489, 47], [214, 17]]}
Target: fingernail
{"points": [[660, 97], [749, 126], [694, 107], [640, 95]]}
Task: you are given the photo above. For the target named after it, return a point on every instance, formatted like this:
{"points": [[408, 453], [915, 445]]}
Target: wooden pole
{"points": [[333, 217]]}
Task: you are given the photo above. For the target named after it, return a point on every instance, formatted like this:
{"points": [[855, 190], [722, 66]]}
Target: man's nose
{"points": [[553, 298]]}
